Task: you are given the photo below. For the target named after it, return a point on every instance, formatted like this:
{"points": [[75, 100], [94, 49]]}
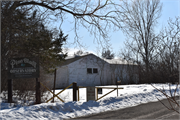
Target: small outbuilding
{"points": [[90, 70]]}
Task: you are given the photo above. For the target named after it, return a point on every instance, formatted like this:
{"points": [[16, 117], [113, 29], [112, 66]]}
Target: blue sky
{"points": [[171, 8]]}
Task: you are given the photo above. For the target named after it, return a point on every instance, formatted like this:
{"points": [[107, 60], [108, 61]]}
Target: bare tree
{"points": [[168, 51], [79, 52], [173, 102], [139, 19], [98, 17], [167, 63]]}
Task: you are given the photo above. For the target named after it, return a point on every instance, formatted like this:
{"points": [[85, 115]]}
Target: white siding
{"points": [[78, 72]]}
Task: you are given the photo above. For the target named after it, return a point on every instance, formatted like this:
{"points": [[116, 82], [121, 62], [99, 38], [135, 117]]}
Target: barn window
{"points": [[89, 70], [95, 70]]}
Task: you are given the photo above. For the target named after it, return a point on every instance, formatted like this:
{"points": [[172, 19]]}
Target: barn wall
{"points": [[124, 73], [119, 73], [62, 80], [78, 71]]}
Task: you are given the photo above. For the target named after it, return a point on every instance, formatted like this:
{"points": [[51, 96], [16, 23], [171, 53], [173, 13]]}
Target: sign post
{"points": [[118, 83], [23, 68], [54, 85], [38, 92], [9, 90]]}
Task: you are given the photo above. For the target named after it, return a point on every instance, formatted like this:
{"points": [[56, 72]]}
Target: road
{"points": [[151, 110]]}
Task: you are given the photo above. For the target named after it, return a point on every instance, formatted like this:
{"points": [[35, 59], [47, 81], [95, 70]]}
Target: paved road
{"points": [[152, 110]]}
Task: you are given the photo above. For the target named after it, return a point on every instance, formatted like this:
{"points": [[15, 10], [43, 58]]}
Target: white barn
{"points": [[90, 70]]}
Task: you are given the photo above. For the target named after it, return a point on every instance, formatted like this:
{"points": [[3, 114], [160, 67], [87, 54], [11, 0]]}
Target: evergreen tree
{"points": [[25, 35], [107, 54]]}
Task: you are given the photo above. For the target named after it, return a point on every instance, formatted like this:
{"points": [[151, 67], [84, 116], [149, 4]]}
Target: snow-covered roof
{"points": [[110, 61], [74, 56], [119, 61], [69, 57]]}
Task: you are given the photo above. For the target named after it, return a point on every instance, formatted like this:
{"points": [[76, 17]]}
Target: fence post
{"points": [[54, 85], [74, 91], [9, 90], [96, 93], [38, 93], [117, 88], [78, 93]]}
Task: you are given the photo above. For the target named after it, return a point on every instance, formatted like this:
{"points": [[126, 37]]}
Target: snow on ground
{"points": [[131, 95]]}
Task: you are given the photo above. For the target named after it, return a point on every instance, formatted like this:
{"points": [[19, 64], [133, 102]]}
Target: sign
{"points": [[23, 68], [90, 93]]}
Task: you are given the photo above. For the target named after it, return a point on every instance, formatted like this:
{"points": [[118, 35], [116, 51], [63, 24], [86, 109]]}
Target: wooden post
{"points": [[78, 93], [117, 86], [9, 90], [54, 85], [74, 91], [117, 90], [38, 93], [118, 82], [96, 93]]}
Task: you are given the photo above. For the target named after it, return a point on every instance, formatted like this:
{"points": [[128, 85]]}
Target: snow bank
{"points": [[131, 95]]}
